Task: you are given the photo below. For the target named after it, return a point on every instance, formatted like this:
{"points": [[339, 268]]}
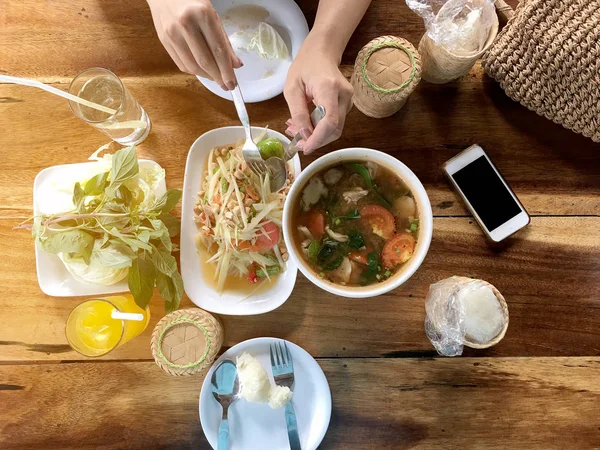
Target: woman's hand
{"points": [[193, 35], [315, 76]]}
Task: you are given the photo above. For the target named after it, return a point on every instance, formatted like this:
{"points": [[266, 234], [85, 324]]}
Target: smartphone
{"points": [[485, 192]]}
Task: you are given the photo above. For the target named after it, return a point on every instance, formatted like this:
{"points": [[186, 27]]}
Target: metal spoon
{"points": [[277, 167], [225, 386]]}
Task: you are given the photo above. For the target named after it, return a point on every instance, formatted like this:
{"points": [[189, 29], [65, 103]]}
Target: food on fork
{"points": [[239, 218], [255, 384], [356, 223]]}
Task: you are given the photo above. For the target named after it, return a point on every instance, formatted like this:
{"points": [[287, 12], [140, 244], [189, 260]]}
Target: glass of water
{"points": [[122, 118]]}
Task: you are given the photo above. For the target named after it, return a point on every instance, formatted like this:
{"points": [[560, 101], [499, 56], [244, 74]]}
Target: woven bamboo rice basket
{"points": [[441, 65], [186, 341], [504, 306], [387, 70]]}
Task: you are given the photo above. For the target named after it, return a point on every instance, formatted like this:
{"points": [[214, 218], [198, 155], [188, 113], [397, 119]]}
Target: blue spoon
{"points": [[224, 385]]}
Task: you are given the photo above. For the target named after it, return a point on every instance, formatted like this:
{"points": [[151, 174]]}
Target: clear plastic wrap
{"points": [[463, 310], [461, 26]]}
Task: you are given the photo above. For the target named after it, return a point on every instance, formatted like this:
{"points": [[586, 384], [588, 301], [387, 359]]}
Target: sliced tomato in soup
{"points": [[380, 220], [398, 250], [315, 222]]}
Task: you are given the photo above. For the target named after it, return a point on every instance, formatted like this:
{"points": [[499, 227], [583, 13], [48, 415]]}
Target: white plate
{"points": [[261, 79], [196, 287], [255, 425], [53, 276]]}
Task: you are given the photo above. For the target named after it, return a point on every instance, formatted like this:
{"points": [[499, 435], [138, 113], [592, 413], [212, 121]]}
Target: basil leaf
{"points": [[366, 176], [96, 185], [124, 166], [171, 289], [334, 264], [313, 250], [142, 275], [326, 251], [161, 233], [78, 197], [172, 223], [168, 201], [134, 243], [71, 241], [164, 261], [355, 239], [373, 262]]}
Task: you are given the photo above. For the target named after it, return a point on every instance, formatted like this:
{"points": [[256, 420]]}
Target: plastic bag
{"points": [[463, 310], [462, 26]]}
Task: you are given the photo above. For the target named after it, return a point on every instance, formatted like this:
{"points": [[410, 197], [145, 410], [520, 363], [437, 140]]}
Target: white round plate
{"points": [[261, 79], [255, 425]]}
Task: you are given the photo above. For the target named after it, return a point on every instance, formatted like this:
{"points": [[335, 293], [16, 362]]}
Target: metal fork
{"points": [[249, 150], [282, 366]]}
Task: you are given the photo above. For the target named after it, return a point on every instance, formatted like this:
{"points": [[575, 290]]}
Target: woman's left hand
{"points": [[315, 76]]}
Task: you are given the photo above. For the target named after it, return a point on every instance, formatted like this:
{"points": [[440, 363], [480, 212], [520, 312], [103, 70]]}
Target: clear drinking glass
{"points": [[128, 125], [91, 330]]}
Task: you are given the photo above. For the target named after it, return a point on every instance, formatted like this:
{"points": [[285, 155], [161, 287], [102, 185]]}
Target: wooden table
{"points": [[539, 388]]}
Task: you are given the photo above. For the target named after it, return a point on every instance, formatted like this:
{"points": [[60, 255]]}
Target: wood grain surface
{"points": [[548, 275], [537, 389], [379, 404], [552, 170]]}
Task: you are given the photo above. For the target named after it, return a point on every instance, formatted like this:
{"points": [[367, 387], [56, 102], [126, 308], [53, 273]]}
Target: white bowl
{"points": [[196, 287], [261, 79], [423, 206], [53, 276]]}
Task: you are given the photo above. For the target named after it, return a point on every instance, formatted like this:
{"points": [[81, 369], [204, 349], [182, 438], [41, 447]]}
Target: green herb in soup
{"points": [[357, 223]]}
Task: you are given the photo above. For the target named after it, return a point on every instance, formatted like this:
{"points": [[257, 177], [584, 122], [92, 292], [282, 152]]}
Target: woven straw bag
{"points": [[548, 59]]}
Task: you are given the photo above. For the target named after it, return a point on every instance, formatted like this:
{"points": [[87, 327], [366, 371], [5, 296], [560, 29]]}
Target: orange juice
{"points": [[92, 331]]}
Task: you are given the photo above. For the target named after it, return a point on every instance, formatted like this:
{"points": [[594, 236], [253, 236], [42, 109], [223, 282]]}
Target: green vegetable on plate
{"points": [[118, 229]]}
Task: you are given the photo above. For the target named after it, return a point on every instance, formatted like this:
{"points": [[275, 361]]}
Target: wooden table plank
{"points": [[549, 274], [485, 403], [552, 170]]}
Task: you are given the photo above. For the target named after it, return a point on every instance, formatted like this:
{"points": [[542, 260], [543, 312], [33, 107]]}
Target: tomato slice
{"points": [[315, 222], [380, 219], [264, 241], [398, 250]]}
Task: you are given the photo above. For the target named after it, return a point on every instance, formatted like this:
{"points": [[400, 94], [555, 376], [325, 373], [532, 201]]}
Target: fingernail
{"points": [[238, 62], [230, 85], [305, 133]]}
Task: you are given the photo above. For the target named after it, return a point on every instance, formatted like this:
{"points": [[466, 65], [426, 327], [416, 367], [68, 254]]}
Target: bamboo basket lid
{"points": [[186, 341], [386, 71]]}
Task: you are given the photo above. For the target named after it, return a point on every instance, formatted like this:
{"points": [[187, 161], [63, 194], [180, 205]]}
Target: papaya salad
{"points": [[239, 218]]}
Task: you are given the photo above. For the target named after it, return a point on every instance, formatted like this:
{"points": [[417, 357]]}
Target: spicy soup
{"points": [[356, 223]]}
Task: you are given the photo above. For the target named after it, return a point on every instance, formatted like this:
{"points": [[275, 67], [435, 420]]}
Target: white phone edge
{"points": [[508, 228]]}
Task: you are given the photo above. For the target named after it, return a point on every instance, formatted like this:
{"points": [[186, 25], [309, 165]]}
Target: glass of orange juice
{"points": [[92, 331]]}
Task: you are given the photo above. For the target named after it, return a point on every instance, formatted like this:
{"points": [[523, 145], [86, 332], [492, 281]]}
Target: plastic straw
{"points": [[55, 91], [126, 316]]}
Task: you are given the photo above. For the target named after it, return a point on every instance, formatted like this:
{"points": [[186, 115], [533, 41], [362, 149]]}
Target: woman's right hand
{"points": [[193, 35]]}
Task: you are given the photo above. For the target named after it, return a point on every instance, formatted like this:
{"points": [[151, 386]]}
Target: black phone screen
{"points": [[486, 192]]}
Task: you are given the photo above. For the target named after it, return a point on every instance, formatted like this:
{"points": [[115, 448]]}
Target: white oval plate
{"points": [[201, 293], [255, 425], [53, 276], [261, 79]]}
